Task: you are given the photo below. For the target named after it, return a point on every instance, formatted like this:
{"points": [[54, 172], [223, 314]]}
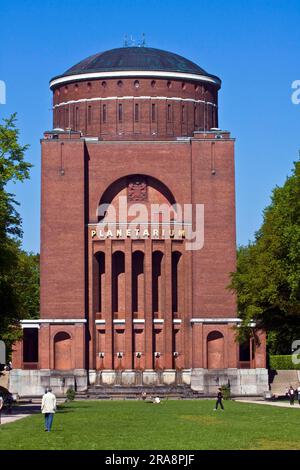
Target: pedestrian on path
{"points": [[219, 400], [291, 394], [48, 408]]}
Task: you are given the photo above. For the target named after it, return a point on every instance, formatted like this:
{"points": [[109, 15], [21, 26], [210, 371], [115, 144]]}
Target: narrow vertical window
{"points": [[67, 118], [153, 113], [136, 112], [169, 113], [89, 116], [183, 113], [195, 115], [76, 118], [120, 110], [104, 113]]}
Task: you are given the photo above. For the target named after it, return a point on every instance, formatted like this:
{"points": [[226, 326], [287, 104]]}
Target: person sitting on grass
{"points": [[219, 400]]}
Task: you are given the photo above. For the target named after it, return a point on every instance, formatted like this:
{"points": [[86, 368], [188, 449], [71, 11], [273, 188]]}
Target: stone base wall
{"points": [[242, 381], [148, 377], [34, 382]]}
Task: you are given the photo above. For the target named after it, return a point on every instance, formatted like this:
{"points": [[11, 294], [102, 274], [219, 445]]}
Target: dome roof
{"points": [[139, 59]]}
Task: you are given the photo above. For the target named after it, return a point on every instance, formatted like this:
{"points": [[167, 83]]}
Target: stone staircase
{"points": [[119, 392]]}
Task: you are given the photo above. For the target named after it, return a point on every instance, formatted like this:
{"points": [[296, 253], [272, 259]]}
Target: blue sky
{"points": [[252, 45]]}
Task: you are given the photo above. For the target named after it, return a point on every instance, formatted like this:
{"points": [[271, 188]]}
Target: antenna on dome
{"points": [[132, 42], [142, 42]]}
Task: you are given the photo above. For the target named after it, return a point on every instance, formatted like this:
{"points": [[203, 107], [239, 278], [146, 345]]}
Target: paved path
{"points": [[19, 412], [281, 404]]}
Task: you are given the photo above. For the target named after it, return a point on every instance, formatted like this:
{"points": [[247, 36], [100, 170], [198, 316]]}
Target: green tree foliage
{"points": [[19, 272], [267, 280]]}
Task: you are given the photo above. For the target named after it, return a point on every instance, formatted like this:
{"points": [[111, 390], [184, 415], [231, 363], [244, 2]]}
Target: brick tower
{"points": [[137, 302]]}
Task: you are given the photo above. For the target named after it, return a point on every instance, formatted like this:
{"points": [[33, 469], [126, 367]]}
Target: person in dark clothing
{"points": [[219, 400], [291, 394], [298, 394]]}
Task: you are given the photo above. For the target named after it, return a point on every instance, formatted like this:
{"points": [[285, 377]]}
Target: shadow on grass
{"points": [[75, 406], [63, 411]]}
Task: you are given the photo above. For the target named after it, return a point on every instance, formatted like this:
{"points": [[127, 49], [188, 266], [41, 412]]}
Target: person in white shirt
{"points": [[48, 408]]}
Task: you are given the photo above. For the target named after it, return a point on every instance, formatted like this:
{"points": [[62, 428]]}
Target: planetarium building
{"points": [[137, 235]]}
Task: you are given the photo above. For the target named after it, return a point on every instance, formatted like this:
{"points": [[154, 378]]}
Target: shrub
{"points": [[225, 389], [282, 363], [70, 394]]}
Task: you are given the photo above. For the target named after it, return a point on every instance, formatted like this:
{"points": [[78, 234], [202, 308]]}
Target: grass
{"points": [[171, 425]]}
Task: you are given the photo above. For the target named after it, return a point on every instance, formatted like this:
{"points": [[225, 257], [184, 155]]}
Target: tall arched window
{"points": [[215, 350], [118, 282], [62, 351], [99, 282], [157, 281], [177, 282], [138, 282]]}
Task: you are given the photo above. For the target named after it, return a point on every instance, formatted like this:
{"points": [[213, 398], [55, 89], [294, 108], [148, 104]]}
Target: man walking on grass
{"points": [[48, 408], [219, 400]]}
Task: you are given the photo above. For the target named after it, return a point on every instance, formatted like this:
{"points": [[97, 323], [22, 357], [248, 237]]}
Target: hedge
{"points": [[283, 363]]}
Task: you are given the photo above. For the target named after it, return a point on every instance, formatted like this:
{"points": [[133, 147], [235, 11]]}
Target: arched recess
{"points": [[138, 283], [137, 188], [215, 350], [99, 282], [118, 282], [157, 282], [177, 283], [62, 351]]}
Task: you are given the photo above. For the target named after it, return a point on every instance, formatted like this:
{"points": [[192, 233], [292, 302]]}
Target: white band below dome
{"points": [[115, 98], [134, 73]]}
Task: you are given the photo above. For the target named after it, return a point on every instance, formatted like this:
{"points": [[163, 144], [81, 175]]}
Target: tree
{"points": [[12, 168], [267, 280], [22, 282], [18, 271]]}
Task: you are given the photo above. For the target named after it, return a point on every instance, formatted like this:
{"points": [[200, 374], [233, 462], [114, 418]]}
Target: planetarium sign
{"points": [[155, 221]]}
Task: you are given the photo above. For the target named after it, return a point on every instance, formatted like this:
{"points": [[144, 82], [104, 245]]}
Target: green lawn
{"points": [[119, 425]]}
